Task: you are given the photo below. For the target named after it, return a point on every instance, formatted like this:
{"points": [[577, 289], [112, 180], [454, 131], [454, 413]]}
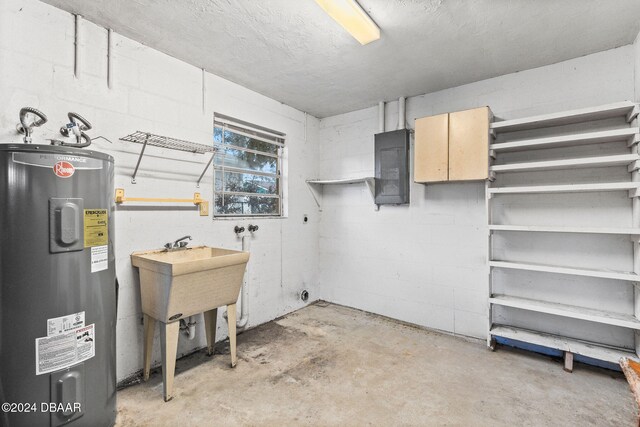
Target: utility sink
{"points": [[175, 284], [180, 283]]}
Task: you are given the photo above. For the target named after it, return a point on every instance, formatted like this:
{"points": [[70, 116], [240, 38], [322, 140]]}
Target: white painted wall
{"points": [[636, 49], [154, 92], [425, 263]]}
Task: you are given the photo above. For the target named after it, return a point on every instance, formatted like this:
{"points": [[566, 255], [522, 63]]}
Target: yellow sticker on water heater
{"points": [[96, 227]]}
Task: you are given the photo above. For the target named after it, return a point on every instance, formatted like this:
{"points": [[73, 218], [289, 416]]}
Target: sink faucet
{"points": [[178, 243]]}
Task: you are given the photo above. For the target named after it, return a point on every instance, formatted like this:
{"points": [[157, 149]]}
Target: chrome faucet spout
{"points": [[179, 242]]}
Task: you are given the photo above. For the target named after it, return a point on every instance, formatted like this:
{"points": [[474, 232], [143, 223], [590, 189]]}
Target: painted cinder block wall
{"points": [[157, 93], [426, 263], [636, 49], [423, 263]]}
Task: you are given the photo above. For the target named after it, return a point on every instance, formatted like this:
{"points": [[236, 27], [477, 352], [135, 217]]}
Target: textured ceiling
{"points": [[290, 50]]}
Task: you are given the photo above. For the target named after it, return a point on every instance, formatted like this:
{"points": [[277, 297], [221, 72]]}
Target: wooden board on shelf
{"points": [[631, 370]]}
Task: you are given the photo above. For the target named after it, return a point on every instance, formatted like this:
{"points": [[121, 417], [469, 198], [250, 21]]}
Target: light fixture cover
{"points": [[353, 18]]}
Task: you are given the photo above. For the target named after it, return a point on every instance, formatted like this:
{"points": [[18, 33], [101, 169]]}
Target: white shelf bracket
{"points": [[492, 154], [634, 140], [371, 185], [316, 194], [632, 114], [634, 166]]}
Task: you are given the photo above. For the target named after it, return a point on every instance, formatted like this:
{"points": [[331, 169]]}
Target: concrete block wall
{"points": [[636, 50], [157, 93], [426, 263], [423, 263]]}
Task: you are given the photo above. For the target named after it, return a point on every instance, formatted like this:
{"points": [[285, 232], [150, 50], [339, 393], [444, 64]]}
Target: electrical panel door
{"points": [[392, 167]]}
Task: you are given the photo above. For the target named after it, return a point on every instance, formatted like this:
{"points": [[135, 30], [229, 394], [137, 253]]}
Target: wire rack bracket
{"points": [[147, 138]]}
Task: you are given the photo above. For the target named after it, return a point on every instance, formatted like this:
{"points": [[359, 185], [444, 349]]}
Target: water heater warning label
{"points": [[65, 349], [96, 227], [65, 323], [99, 258]]}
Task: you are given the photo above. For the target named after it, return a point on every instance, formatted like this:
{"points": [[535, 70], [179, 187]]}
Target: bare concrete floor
{"points": [[330, 365]]}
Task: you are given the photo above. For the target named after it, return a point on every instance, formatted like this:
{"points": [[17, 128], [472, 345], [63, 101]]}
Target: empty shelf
{"points": [[367, 180], [584, 348], [625, 108], [624, 134], [585, 162], [315, 186], [604, 274], [572, 311], [566, 188], [549, 229]]}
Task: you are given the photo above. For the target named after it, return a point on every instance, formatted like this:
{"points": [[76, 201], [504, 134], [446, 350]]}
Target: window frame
{"points": [[259, 133]]}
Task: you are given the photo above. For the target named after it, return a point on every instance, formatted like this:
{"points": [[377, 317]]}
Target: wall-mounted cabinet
{"points": [[453, 146]]}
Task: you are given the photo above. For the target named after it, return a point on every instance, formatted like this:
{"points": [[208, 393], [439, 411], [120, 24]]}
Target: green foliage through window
{"points": [[247, 171]]}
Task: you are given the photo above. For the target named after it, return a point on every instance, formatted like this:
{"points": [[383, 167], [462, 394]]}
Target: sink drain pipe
{"points": [[188, 327], [244, 302], [241, 323]]}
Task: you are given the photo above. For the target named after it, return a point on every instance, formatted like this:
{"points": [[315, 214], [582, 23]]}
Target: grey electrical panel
{"points": [[392, 167]]}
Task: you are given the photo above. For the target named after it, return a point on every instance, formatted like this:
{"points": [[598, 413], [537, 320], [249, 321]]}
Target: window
{"points": [[247, 169]]}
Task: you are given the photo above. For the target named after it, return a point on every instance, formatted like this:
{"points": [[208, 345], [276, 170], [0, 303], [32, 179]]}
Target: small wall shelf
{"points": [[316, 185], [146, 138]]}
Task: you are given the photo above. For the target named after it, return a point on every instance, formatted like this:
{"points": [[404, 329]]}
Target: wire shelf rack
{"points": [[167, 142], [147, 138]]}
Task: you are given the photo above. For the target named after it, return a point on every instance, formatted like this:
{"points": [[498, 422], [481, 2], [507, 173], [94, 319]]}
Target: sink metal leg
{"points": [[169, 340], [231, 320], [149, 329], [210, 319]]}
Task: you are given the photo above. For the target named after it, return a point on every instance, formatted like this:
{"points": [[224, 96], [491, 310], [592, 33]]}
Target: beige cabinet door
{"points": [[431, 150], [469, 144]]}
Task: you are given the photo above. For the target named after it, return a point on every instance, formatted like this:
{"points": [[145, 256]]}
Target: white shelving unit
{"points": [[629, 134], [316, 187]]}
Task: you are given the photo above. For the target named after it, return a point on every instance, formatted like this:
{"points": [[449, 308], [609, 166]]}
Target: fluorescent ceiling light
{"points": [[353, 18]]}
